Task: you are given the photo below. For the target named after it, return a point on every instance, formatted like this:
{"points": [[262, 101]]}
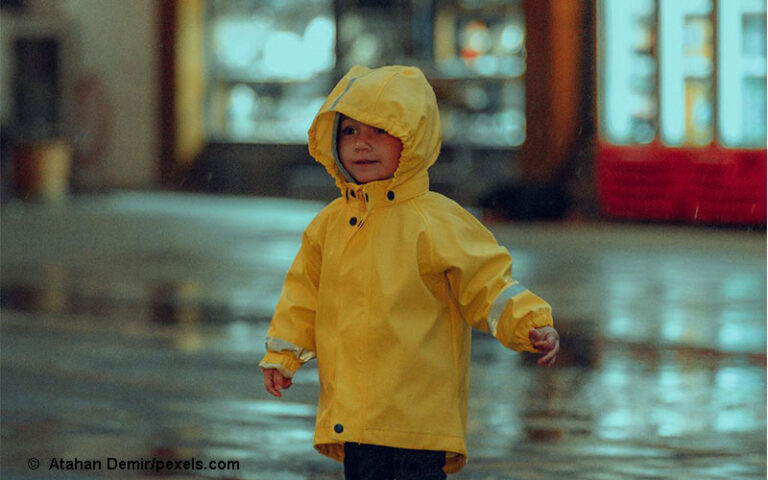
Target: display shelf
{"points": [[473, 54], [267, 68], [478, 71]]}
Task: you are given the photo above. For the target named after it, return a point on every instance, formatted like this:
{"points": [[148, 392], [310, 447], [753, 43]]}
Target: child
{"points": [[387, 285]]}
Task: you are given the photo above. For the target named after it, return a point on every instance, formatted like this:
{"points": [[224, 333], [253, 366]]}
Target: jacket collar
{"points": [[385, 193]]}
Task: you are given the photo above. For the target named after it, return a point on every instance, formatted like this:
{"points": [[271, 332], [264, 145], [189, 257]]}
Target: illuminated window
{"points": [[742, 72], [479, 67], [269, 67], [686, 51], [660, 62], [627, 35]]}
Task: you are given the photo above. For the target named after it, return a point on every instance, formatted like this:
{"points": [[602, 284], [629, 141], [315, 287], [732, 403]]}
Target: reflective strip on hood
{"points": [[336, 102]]}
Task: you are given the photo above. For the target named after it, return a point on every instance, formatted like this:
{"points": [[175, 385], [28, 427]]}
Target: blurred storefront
{"points": [[682, 110], [78, 97], [269, 68], [650, 110], [251, 75], [39, 62]]}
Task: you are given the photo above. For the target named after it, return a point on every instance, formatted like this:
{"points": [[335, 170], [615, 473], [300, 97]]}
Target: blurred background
{"points": [[649, 110], [155, 182]]}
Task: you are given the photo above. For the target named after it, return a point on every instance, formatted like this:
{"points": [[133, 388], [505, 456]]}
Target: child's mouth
{"points": [[364, 162]]}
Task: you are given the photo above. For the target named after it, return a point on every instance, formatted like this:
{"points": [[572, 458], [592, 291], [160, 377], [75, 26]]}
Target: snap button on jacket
{"points": [[387, 307]]}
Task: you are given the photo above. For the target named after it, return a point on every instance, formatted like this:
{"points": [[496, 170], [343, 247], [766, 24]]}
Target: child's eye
{"points": [[347, 130], [380, 130]]}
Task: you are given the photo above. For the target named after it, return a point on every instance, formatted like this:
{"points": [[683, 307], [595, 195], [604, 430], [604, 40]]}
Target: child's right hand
{"points": [[547, 341], [274, 381]]}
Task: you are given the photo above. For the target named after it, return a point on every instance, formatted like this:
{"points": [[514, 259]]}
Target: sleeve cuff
{"points": [[518, 339], [284, 362], [517, 311]]}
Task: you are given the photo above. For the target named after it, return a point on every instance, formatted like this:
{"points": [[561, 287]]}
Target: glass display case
{"points": [[742, 73], [627, 58], [686, 76], [695, 151], [478, 69], [473, 53], [269, 65], [689, 73]]}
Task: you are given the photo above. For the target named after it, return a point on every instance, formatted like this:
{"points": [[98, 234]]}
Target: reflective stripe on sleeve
{"points": [[279, 345], [500, 304]]}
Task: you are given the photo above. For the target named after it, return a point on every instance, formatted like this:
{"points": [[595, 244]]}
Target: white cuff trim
{"points": [[279, 345], [500, 304]]}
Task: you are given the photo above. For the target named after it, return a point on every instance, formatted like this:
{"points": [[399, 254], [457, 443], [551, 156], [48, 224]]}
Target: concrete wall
{"points": [[115, 41], [119, 44]]}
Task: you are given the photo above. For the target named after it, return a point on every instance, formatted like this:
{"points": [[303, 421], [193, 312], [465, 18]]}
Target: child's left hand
{"points": [[545, 340]]}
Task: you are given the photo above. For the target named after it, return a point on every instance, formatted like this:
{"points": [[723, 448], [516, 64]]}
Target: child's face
{"points": [[368, 153]]}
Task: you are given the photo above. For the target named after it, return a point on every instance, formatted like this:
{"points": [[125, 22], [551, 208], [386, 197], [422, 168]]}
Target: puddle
{"points": [[169, 305]]}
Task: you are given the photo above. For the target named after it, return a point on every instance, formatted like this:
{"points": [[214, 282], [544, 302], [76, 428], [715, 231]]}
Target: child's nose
{"points": [[363, 140]]}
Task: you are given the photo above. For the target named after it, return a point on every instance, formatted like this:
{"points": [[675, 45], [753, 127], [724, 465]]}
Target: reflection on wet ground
{"points": [[132, 325]]}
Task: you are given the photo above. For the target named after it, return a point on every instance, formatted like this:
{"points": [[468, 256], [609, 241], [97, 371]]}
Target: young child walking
{"points": [[387, 285]]}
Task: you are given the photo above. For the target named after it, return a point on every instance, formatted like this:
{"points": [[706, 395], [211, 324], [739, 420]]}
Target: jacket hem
{"points": [[454, 447]]}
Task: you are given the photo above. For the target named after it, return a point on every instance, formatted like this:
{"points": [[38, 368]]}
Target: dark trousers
{"points": [[373, 462]]}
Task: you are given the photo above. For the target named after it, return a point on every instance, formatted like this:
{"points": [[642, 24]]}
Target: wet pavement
{"points": [[132, 325]]}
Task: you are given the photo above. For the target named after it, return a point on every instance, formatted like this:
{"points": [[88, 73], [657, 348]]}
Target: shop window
{"points": [[742, 73], [686, 72], [268, 67], [479, 67], [628, 66]]}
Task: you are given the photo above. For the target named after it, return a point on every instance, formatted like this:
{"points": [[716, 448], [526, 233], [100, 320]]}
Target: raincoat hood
{"points": [[397, 99]]}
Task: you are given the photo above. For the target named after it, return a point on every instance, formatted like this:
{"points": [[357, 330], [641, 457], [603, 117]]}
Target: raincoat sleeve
{"points": [[479, 272], [291, 335]]}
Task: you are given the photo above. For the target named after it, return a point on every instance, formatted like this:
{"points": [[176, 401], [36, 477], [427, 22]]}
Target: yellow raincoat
{"points": [[388, 283]]}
